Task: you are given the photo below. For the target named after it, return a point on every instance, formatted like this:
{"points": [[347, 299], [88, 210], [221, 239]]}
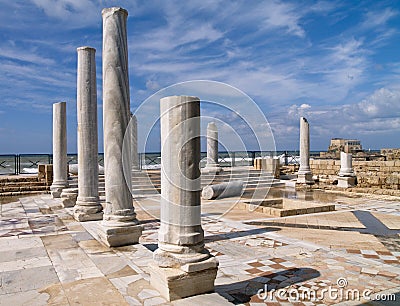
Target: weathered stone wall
{"points": [[380, 174], [391, 154]]}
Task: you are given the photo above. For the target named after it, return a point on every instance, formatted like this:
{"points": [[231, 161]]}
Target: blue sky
{"points": [[335, 62]]}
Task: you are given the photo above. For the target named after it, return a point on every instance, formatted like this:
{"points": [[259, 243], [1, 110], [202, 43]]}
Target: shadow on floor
{"points": [[237, 234], [264, 285], [226, 236]]}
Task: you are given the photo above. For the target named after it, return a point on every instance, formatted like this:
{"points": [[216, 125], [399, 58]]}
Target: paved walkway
{"points": [[47, 258]]}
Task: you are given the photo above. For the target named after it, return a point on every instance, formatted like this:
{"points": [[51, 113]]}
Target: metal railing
{"points": [[28, 163]]}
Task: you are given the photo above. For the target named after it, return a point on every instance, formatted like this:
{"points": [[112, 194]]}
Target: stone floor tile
{"points": [[27, 279]]}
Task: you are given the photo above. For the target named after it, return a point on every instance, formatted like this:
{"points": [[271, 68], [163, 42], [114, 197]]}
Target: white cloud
{"points": [[283, 15], [376, 19], [78, 13]]}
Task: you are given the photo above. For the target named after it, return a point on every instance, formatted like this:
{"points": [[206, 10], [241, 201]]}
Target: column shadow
{"points": [[264, 285]]}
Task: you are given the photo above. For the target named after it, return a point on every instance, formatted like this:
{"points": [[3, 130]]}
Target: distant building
{"points": [[345, 145]]}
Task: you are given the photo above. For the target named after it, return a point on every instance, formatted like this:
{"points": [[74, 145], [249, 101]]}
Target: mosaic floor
{"points": [[342, 257]]}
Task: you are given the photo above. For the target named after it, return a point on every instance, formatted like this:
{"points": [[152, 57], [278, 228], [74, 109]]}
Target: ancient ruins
{"points": [[217, 235]]}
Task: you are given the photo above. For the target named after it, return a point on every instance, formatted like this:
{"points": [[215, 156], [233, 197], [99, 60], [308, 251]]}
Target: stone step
{"points": [[145, 191]]}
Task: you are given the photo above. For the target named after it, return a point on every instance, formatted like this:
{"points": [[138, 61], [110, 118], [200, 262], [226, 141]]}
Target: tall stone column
{"points": [[60, 170], [304, 176], [212, 149], [87, 207], [182, 266], [134, 145], [119, 222]]}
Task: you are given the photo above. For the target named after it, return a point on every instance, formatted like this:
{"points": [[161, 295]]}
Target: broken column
{"points": [[182, 266], [304, 176], [134, 145], [346, 177], [87, 207], [60, 174], [212, 165], [120, 226], [223, 190]]}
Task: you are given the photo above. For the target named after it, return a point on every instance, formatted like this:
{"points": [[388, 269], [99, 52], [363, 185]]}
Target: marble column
{"points": [[346, 178], [304, 176], [134, 145], [212, 149], [346, 164], [120, 226], [182, 266], [60, 170], [87, 207]]}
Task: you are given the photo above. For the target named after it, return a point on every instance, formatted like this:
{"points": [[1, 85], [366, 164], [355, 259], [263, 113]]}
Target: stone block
{"points": [[346, 182], [120, 235], [69, 196], [175, 283], [305, 178], [390, 163]]}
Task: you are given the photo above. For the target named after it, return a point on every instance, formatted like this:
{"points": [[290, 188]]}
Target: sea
{"points": [[28, 163]]}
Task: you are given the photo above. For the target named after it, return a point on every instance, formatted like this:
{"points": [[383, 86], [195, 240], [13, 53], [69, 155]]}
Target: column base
{"points": [[115, 236], [88, 211], [56, 189], [69, 196], [187, 280], [346, 173], [212, 169], [305, 178], [346, 182]]}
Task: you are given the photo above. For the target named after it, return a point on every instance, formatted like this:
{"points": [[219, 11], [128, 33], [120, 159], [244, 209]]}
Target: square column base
{"points": [[69, 196], [190, 279], [346, 182], [211, 169], [120, 235], [305, 178]]}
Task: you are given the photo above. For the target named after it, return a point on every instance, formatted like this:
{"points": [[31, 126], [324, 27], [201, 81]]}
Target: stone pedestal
{"points": [[347, 182], [304, 175], [60, 166], [346, 164], [69, 196], [120, 226], [212, 165], [191, 279], [88, 207], [182, 266], [271, 165]]}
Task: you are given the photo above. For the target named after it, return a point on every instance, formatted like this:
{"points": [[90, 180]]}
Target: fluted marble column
{"points": [[60, 171], [212, 149], [134, 145], [304, 176], [182, 266], [120, 224], [87, 207]]}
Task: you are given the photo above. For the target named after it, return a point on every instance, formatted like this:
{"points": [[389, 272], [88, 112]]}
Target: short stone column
{"points": [[134, 145], [212, 165], [182, 266], [346, 177], [88, 207], [346, 164], [60, 165], [120, 226], [304, 176]]}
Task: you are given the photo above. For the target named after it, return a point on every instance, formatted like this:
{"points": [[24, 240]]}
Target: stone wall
{"points": [[380, 174], [391, 154]]}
